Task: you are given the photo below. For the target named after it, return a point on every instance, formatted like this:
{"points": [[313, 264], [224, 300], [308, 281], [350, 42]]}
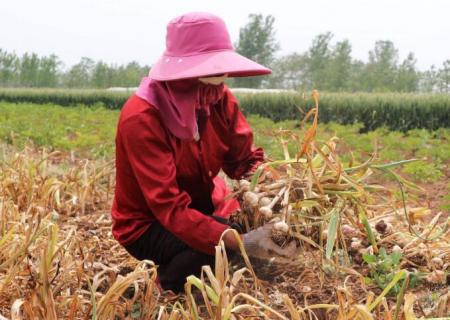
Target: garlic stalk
{"points": [[266, 211], [276, 185], [282, 225]]}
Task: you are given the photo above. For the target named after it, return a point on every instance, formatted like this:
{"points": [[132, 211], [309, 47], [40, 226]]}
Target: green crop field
{"points": [[89, 132]]}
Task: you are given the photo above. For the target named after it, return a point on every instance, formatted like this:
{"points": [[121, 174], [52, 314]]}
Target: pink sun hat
{"points": [[198, 45]]}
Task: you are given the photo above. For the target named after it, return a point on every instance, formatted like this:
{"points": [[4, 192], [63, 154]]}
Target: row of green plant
{"points": [[90, 131], [396, 111], [62, 97], [400, 112], [86, 131]]}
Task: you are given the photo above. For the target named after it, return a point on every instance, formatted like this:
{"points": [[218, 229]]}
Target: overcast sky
{"points": [[121, 31]]}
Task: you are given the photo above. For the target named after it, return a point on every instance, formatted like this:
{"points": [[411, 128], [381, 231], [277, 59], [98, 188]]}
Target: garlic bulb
{"points": [[397, 248], [264, 201], [266, 212], [250, 198], [244, 184], [437, 263], [437, 276], [356, 245], [423, 250], [281, 226], [348, 230], [368, 250]]}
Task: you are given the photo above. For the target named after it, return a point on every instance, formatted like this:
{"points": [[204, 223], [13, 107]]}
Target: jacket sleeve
{"points": [[242, 158], [151, 159]]}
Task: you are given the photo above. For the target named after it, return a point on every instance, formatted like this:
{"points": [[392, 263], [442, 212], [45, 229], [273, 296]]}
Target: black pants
{"points": [[175, 258]]}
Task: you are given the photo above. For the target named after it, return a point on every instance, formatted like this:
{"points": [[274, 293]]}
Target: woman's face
{"points": [[216, 80]]}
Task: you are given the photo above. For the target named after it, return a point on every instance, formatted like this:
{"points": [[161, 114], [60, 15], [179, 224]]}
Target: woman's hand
{"points": [[258, 243]]}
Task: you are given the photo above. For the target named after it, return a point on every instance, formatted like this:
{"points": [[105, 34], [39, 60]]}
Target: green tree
{"points": [[9, 68], [407, 75], [48, 71], [357, 76], [340, 67], [257, 42], [382, 67], [29, 70], [80, 75], [101, 75], [319, 56], [132, 74], [428, 80], [288, 72], [444, 77]]}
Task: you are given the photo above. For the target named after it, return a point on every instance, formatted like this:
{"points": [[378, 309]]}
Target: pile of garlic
{"points": [[267, 200]]}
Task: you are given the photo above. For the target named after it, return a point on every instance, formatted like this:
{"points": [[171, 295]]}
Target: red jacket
{"points": [[159, 177]]}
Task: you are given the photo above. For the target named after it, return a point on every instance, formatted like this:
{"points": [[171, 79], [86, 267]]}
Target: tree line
{"points": [[33, 71], [327, 65], [330, 66]]}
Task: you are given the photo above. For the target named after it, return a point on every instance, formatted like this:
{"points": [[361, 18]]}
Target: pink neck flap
{"points": [[180, 102]]}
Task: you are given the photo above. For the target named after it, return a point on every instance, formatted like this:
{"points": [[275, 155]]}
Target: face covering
{"points": [[180, 102]]}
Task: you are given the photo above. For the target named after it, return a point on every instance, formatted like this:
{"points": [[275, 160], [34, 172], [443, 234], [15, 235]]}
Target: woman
{"points": [[174, 135]]}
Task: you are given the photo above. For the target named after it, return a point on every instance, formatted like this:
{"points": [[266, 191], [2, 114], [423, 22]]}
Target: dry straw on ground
{"points": [[58, 259]]}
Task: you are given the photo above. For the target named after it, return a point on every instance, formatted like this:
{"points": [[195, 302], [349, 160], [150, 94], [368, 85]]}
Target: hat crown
{"points": [[196, 33]]}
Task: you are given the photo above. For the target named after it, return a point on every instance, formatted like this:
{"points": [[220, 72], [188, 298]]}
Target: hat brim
{"points": [[206, 64]]}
